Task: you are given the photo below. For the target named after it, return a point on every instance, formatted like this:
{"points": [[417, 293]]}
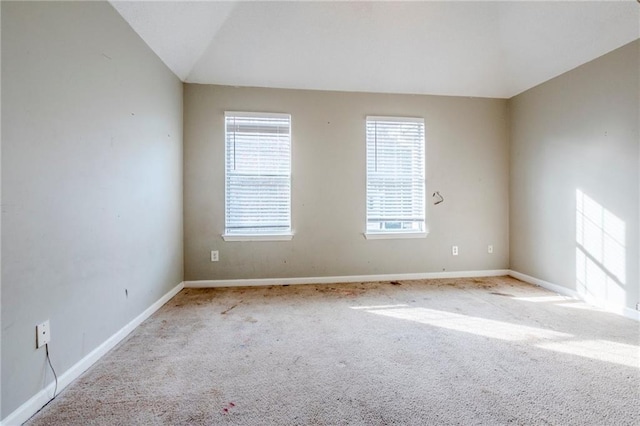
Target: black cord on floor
{"points": [[46, 346]]}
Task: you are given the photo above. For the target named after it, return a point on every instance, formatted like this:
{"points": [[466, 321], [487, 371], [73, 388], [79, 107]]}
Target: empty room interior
{"points": [[320, 213]]}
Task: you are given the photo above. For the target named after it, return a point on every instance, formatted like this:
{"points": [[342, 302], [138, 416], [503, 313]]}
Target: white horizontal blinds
{"points": [[395, 174], [258, 173]]}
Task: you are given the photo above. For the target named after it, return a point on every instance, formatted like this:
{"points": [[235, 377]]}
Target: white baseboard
{"points": [[601, 304], [39, 400], [342, 279], [545, 284]]}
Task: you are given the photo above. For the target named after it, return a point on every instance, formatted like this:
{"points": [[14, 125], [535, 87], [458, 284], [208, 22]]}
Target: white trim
{"points": [[415, 143], [258, 237], [601, 304], [342, 279], [33, 405], [256, 114], [545, 284], [395, 119], [394, 235]]}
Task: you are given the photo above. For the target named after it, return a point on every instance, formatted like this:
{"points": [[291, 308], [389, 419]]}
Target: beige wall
{"points": [[91, 184], [576, 132], [94, 183], [467, 161]]}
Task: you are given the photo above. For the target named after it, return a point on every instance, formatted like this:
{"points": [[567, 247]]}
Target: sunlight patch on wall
{"points": [[600, 252]]}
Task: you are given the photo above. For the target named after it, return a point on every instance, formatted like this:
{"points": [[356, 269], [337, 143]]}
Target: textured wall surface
{"points": [[467, 161], [573, 137], [91, 184]]}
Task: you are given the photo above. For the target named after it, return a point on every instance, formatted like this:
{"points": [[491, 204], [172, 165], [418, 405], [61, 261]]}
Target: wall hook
{"points": [[440, 197]]}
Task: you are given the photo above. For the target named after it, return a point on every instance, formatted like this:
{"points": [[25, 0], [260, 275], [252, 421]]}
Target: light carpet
{"points": [[486, 351]]}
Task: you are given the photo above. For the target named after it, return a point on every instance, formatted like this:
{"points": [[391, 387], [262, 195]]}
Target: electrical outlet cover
{"points": [[43, 334]]}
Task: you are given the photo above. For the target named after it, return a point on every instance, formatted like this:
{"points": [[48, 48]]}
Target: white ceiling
{"points": [[477, 48]]}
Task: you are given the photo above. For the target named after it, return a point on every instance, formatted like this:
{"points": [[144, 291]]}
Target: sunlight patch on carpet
{"points": [[379, 307], [601, 350], [543, 299], [469, 324]]}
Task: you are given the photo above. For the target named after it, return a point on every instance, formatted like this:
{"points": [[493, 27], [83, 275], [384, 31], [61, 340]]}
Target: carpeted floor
{"points": [[491, 351]]}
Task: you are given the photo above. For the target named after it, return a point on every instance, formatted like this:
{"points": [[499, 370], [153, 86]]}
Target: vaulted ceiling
{"points": [[475, 48]]}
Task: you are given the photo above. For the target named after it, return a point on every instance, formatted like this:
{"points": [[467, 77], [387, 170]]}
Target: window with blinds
{"points": [[395, 176], [258, 174]]}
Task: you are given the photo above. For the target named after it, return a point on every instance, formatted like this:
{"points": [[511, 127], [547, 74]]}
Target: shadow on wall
{"points": [[600, 253]]}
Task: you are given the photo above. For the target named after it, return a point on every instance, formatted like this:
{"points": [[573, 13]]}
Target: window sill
{"points": [[264, 237], [394, 235]]}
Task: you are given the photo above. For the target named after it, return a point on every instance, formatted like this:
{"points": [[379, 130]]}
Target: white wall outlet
{"points": [[215, 256], [638, 306], [454, 250], [43, 334], [490, 249]]}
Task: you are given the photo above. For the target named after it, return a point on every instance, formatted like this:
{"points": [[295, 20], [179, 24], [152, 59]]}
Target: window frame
{"points": [[284, 235], [395, 234]]}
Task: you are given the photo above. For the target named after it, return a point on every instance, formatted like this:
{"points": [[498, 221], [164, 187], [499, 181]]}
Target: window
{"points": [[395, 177], [258, 176]]}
